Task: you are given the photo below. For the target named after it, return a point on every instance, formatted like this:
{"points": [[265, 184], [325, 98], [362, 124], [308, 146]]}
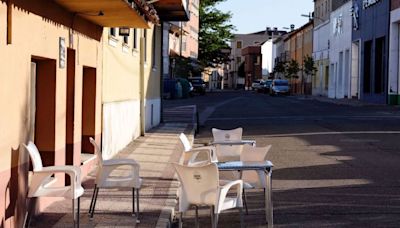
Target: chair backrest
{"points": [[254, 154], [97, 152], [34, 155], [227, 135], [250, 153], [185, 142], [199, 185]]}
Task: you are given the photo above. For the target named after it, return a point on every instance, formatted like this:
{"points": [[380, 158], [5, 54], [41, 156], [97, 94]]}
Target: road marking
{"points": [[332, 133], [300, 118], [204, 115]]}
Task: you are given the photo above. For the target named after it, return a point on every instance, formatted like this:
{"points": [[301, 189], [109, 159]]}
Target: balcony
{"points": [[172, 10]]}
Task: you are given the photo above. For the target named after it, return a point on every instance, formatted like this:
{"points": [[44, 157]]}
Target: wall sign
{"points": [[355, 16], [369, 3], [61, 62]]}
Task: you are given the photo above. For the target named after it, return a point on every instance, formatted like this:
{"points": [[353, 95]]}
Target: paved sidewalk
{"points": [[154, 152]]}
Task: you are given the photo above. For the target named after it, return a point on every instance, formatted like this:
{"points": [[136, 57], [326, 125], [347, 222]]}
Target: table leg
{"points": [[269, 216]]}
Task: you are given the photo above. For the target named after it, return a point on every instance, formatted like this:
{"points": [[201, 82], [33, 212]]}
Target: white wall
{"points": [[340, 42], [394, 52], [321, 46], [121, 124], [268, 52], [153, 112]]}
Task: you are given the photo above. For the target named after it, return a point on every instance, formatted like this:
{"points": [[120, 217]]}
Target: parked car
{"points": [[279, 86], [257, 85], [267, 86], [199, 86]]}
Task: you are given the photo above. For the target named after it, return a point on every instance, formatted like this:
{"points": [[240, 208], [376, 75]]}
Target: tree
{"points": [[292, 68], [280, 67], [214, 34], [309, 67]]}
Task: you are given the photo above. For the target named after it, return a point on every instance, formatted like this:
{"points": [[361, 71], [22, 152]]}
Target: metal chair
{"points": [[104, 179], [43, 178]]}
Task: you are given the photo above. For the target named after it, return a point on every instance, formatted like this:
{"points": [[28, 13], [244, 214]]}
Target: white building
{"points": [[269, 53], [341, 84], [394, 72]]}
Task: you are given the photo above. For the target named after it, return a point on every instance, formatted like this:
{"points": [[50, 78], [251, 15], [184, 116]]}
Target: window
{"points": [[134, 39], [239, 44], [113, 32], [184, 43]]}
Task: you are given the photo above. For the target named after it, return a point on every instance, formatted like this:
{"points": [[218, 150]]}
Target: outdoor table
{"points": [[265, 166]]}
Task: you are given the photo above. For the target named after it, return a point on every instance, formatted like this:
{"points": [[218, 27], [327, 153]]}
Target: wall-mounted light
{"points": [[124, 31]]}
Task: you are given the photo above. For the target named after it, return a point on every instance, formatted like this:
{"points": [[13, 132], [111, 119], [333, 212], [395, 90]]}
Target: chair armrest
{"points": [[223, 191], [195, 152], [120, 162], [110, 165], [73, 172]]}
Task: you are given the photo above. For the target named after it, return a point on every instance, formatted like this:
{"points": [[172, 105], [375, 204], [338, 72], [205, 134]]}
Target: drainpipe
{"points": [[141, 87], [162, 73]]}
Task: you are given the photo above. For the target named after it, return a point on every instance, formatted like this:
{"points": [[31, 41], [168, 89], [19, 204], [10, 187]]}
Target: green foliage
{"points": [[214, 34], [292, 68], [185, 67], [309, 66], [280, 67]]}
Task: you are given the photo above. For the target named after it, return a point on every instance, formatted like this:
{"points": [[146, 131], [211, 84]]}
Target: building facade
{"points": [[252, 65], [341, 83], [370, 48], [394, 72], [241, 41], [298, 45], [321, 46]]}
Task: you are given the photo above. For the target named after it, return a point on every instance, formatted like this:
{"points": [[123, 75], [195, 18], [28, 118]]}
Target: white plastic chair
{"points": [[42, 179], [229, 143], [253, 179], [104, 179], [200, 186], [191, 154]]}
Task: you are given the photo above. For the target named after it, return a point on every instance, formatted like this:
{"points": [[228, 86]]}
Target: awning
{"points": [[172, 10], [106, 13]]}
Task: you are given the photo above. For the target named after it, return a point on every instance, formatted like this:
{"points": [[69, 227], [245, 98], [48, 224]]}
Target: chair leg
{"points": [[28, 216], [78, 211], [245, 201], [241, 217], [181, 220], [94, 203], [91, 202], [137, 206], [212, 215], [197, 217], [73, 212], [215, 220], [133, 201]]}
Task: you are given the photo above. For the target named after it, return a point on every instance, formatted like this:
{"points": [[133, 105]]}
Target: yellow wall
{"points": [[37, 36]]}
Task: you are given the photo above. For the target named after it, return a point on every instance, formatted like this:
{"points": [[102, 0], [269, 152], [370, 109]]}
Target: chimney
{"points": [[292, 27]]}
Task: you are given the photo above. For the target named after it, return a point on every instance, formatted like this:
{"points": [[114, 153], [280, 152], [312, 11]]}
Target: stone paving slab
{"points": [[154, 152]]}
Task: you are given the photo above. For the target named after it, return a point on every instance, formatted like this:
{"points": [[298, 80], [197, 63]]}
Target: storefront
{"points": [[341, 84], [370, 47]]}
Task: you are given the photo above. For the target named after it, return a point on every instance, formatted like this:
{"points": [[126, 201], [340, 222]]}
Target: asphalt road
{"points": [[335, 165]]}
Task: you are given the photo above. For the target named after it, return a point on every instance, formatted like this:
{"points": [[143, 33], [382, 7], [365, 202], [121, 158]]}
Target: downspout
{"points": [[141, 87], [162, 73]]}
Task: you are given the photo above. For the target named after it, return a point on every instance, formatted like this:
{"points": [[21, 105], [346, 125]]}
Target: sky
{"points": [[255, 15]]}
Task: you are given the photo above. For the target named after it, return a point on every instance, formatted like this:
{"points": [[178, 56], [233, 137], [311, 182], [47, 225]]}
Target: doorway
{"points": [[71, 154], [88, 108], [44, 70]]}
